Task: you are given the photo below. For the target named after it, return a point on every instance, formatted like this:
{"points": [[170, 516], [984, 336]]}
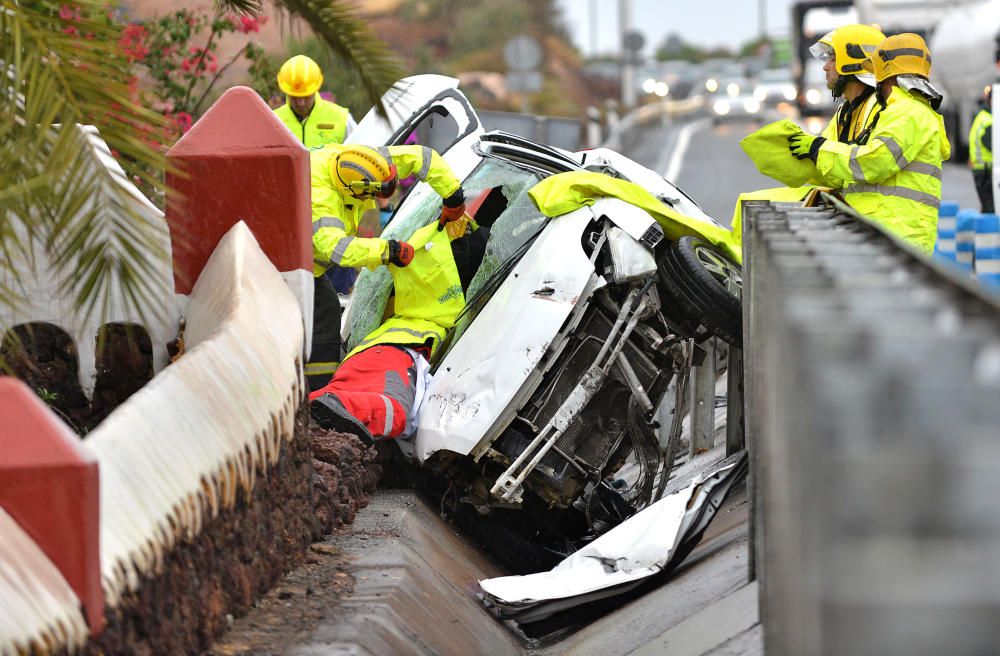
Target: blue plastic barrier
{"points": [[987, 256], [944, 248], [965, 239]]}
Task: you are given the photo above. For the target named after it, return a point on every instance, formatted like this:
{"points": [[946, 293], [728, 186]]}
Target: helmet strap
{"points": [[840, 85]]}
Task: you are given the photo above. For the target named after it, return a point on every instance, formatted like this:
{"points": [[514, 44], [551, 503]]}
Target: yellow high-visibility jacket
{"points": [[429, 295], [777, 157], [326, 123], [980, 152], [336, 214], [895, 178]]}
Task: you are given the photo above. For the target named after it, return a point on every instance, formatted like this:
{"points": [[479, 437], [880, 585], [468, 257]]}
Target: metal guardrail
{"points": [[873, 416]]}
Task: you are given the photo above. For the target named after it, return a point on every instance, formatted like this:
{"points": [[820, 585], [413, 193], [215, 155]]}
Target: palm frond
{"points": [[60, 73], [337, 23], [244, 7]]}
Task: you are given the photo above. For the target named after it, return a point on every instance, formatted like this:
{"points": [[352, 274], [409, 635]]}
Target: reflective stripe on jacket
{"points": [[980, 152], [429, 295], [895, 178], [326, 123], [336, 214]]}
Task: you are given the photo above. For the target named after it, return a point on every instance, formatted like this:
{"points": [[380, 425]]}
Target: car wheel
{"points": [[706, 286]]}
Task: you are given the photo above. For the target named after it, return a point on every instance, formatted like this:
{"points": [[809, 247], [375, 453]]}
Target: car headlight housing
{"points": [[814, 97], [751, 105], [721, 107]]}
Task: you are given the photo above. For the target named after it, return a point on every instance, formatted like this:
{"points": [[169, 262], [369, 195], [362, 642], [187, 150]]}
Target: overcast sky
{"points": [[709, 22]]}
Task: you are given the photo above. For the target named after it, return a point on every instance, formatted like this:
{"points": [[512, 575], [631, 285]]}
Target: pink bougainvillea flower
{"points": [[249, 24]]}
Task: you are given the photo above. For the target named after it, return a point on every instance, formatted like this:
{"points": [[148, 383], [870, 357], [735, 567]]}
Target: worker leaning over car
{"points": [[377, 390], [345, 180], [894, 178], [314, 121], [842, 52]]}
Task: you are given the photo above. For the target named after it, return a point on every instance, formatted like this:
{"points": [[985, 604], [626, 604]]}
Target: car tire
{"points": [[706, 287]]}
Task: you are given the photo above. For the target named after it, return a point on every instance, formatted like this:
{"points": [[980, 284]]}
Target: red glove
{"points": [[449, 214], [400, 253]]}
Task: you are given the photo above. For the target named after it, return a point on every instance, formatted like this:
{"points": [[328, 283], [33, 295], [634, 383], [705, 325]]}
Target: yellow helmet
{"points": [[902, 54], [300, 77], [849, 46], [364, 172]]}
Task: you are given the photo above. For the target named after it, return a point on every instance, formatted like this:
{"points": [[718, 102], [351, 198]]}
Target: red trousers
{"points": [[377, 387]]}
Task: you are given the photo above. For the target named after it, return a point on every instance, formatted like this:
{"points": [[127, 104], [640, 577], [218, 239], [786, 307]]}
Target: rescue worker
{"points": [[345, 180], [842, 52], [894, 178], [377, 390], [314, 121], [981, 152]]}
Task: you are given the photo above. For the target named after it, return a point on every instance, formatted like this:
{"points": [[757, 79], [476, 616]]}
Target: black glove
{"points": [[399, 253]]}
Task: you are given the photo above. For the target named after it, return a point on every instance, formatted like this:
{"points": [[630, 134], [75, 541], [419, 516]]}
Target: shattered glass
{"points": [[519, 222]]}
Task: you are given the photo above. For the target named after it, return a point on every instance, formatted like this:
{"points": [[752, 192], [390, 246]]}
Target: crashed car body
{"points": [[574, 326]]}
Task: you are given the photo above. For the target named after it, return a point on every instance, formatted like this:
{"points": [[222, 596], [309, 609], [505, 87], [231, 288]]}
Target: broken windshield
{"points": [[509, 217]]}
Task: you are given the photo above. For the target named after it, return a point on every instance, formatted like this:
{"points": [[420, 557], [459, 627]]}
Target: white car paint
{"points": [[476, 382]]}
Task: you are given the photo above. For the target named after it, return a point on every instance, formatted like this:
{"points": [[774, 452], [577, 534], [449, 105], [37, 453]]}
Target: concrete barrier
{"points": [[240, 163], [180, 449], [49, 486], [39, 612]]}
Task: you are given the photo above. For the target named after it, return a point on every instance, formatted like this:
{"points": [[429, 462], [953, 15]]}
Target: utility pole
{"points": [[628, 65], [593, 28], [762, 18]]}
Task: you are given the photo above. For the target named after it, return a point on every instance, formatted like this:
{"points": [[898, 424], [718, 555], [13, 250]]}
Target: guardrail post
{"points": [[593, 127], [703, 402], [734, 401]]}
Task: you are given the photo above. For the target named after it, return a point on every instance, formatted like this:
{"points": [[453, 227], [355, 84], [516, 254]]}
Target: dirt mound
{"points": [[346, 474]]}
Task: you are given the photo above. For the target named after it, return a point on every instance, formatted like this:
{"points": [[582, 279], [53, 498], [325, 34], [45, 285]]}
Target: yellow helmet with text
{"points": [[901, 54], [364, 172], [300, 76]]}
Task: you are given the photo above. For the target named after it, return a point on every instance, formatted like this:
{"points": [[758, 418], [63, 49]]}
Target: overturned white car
{"points": [[538, 426]]}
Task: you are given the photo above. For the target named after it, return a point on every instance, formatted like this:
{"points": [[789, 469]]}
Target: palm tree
{"points": [[60, 65]]}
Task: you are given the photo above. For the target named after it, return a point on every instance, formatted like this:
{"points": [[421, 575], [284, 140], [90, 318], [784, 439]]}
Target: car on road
{"points": [[734, 100], [537, 430], [774, 86]]}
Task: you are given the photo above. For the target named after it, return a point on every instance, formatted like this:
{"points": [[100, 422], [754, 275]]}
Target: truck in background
{"points": [[965, 46]]}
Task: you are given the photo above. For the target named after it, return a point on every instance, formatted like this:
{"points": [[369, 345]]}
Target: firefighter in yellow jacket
{"points": [[376, 392], [842, 52], [894, 178], [314, 121], [345, 182], [981, 151]]}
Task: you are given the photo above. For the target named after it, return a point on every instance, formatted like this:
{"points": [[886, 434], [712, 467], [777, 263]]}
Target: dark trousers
{"points": [[325, 334], [984, 187]]}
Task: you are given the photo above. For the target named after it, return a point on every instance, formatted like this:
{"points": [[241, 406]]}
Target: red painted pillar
{"points": [[49, 484], [238, 162]]}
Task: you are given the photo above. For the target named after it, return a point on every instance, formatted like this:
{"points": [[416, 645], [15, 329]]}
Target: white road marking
{"points": [[683, 139]]}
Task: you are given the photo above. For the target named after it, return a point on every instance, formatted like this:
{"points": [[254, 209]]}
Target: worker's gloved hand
{"points": [[805, 146], [398, 252], [454, 208], [457, 229], [449, 214]]}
